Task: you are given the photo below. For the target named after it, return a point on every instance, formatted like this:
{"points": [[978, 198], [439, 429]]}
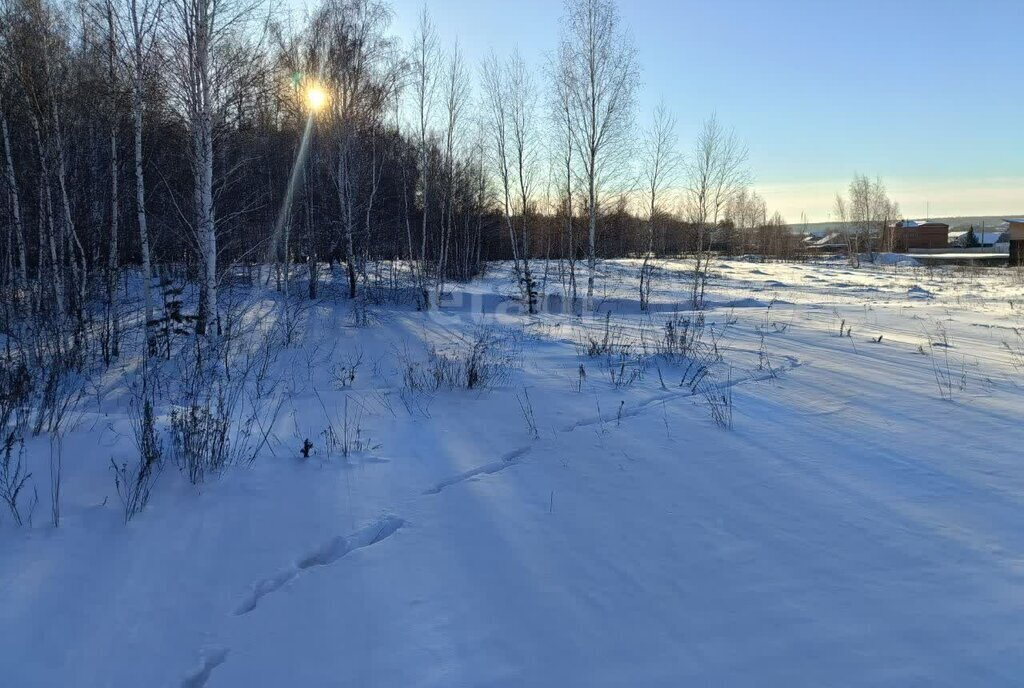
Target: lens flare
{"points": [[316, 98]]}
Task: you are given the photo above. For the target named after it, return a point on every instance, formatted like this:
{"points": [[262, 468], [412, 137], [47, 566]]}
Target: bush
{"points": [[349, 438], [224, 406], [14, 478], [607, 341], [682, 337], [199, 436], [481, 361], [15, 392], [134, 485]]}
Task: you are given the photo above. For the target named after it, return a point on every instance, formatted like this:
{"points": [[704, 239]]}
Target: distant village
{"points": [[930, 241]]}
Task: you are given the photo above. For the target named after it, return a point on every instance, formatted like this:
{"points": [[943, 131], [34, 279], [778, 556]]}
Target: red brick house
{"points": [[908, 234]]}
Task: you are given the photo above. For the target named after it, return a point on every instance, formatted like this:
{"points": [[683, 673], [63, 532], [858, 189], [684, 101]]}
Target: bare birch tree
{"points": [[522, 95], [360, 68], [745, 212], [562, 144], [660, 167], [602, 72], [36, 54], [865, 216], [112, 347], [14, 200], [495, 94], [456, 95], [716, 170], [424, 60], [138, 24], [200, 33]]}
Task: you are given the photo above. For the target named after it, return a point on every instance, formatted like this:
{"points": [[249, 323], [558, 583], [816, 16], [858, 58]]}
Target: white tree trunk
{"points": [[15, 202], [347, 201], [47, 228], [203, 142], [79, 269], [140, 204], [592, 240], [376, 172], [112, 255]]}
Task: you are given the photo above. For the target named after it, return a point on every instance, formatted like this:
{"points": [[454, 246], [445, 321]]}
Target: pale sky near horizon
{"points": [[924, 93]]}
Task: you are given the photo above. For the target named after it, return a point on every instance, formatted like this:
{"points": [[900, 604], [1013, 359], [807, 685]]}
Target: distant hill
{"points": [[819, 228]]}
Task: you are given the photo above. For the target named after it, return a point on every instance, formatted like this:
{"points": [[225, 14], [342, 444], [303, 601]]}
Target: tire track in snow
{"points": [[328, 553]]}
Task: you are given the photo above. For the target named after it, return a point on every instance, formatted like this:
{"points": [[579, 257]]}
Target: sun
{"points": [[316, 98]]}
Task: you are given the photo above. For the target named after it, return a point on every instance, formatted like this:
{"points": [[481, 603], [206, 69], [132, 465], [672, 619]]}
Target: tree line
{"points": [[177, 142]]}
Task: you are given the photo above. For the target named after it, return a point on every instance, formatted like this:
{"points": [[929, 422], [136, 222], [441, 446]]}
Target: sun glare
{"points": [[316, 98]]}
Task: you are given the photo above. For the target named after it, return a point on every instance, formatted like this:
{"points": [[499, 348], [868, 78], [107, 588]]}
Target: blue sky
{"points": [[926, 94]]}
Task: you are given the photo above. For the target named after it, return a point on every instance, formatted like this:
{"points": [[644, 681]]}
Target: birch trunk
{"points": [[112, 255], [592, 239], [203, 151], [112, 266], [376, 172], [15, 203], [79, 270], [140, 205], [46, 210], [345, 200]]}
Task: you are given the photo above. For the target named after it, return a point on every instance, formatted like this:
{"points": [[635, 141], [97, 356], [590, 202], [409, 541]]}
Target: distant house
{"points": [[997, 238], [1016, 231], [908, 234], [831, 242]]}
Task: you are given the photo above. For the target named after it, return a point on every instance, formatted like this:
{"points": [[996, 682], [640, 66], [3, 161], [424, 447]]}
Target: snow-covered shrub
{"points": [[344, 375], [348, 437], [607, 341], [14, 478], [482, 360], [682, 337], [718, 397], [199, 435], [56, 475], [294, 311], [1015, 347], [15, 392], [224, 405], [60, 390], [949, 377], [526, 406], [625, 369], [42, 377], [134, 484], [439, 370]]}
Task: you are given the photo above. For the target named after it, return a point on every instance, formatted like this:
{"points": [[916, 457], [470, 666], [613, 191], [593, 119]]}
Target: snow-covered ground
{"points": [[578, 520]]}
